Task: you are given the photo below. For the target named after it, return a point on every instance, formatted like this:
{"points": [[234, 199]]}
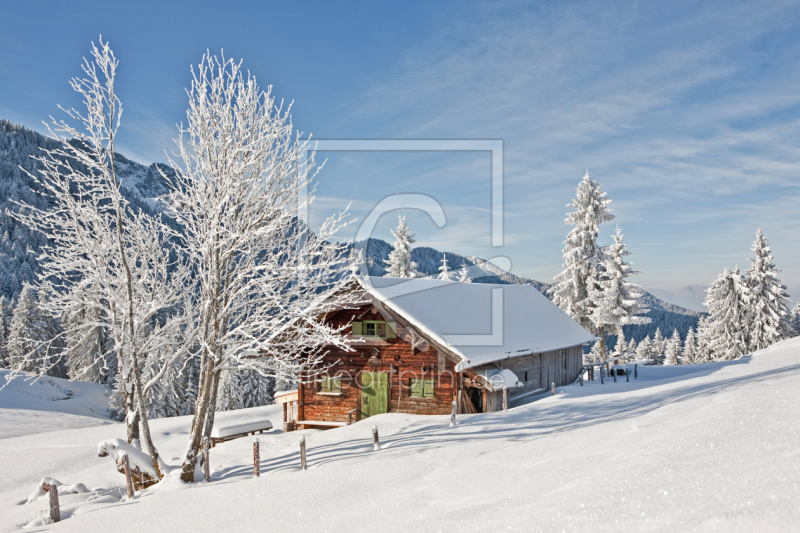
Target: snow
{"points": [[706, 447], [530, 322], [221, 431], [29, 406], [501, 378]]}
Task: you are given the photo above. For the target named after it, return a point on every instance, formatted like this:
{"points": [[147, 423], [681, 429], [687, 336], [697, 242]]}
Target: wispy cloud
{"points": [[687, 113]]}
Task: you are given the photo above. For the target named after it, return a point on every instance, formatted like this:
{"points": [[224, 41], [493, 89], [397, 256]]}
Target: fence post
{"points": [[553, 387], [128, 478], [55, 510], [453, 422], [302, 452], [635, 370], [256, 458], [627, 374], [376, 445], [580, 378], [601, 376], [615, 374], [505, 399], [206, 460]]}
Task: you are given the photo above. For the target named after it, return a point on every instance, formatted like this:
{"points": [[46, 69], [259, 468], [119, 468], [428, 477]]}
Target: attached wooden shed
{"points": [[418, 345]]}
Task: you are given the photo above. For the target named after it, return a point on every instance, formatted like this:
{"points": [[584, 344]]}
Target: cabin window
{"points": [[421, 388], [330, 384], [374, 328]]}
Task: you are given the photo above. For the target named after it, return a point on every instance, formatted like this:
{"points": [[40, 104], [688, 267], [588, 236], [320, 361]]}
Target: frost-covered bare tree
{"points": [[103, 257], [263, 278]]}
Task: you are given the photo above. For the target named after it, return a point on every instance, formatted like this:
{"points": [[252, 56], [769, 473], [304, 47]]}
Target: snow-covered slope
{"points": [[49, 404], [710, 447]]}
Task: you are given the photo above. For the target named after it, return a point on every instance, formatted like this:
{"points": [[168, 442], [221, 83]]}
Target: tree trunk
{"points": [[132, 422], [198, 424], [212, 405], [148, 441], [601, 332]]}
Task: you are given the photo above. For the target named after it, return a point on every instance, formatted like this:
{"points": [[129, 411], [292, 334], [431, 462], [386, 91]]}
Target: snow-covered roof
{"points": [[460, 317], [501, 378]]}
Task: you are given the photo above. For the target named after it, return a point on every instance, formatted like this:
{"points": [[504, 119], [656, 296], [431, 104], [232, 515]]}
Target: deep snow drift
{"points": [[713, 447]]}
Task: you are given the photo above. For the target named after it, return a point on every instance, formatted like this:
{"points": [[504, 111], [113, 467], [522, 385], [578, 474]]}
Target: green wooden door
{"points": [[374, 393]]}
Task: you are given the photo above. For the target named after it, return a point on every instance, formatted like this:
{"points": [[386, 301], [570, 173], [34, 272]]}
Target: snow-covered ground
{"points": [[713, 447], [49, 404]]}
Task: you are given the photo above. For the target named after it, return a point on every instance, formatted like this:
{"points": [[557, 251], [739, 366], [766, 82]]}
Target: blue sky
{"points": [[688, 113]]}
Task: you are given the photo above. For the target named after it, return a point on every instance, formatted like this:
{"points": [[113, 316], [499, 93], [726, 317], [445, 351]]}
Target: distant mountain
{"points": [[690, 297], [19, 247]]}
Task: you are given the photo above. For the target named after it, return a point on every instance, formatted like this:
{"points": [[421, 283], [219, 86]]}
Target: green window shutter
{"points": [[336, 384], [428, 388], [416, 387], [356, 326], [391, 330]]}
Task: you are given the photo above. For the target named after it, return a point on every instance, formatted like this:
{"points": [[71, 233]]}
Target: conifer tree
{"points": [[769, 302], [444, 271], [658, 346], [229, 396], [689, 353], [576, 286], [704, 350], [644, 351], [795, 319], [26, 342], [621, 349], [672, 349], [3, 355], [617, 302], [400, 263], [6, 313], [90, 348], [463, 274], [728, 300]]}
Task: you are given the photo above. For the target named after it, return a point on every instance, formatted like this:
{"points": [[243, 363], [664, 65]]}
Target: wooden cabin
{"points": [[418, 345]]}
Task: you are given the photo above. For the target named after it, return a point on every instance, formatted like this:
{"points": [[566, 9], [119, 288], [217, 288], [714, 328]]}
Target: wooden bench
{"points": [[222, 433]]}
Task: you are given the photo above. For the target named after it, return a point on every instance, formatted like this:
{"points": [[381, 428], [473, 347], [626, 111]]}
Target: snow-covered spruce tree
{"points": [[3, 354], [578, 284], [256, 389], [645, 352], [26, 344], [119, 257], [689, 354], [659, 346], [230, 392], [400, 263], [6, 313], [794, 319], [90, 348], [444, 272], [463, 274], [621, 348], [617, 302], [672, 349], [769, 304], [728, 301], [263, 276], [705, 353]]}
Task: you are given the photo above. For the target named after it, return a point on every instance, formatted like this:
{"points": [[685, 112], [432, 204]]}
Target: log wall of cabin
{"points": [[397, 359]]}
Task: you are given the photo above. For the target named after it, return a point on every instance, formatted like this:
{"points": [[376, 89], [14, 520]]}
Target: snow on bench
{"points": [[222, 433]]}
